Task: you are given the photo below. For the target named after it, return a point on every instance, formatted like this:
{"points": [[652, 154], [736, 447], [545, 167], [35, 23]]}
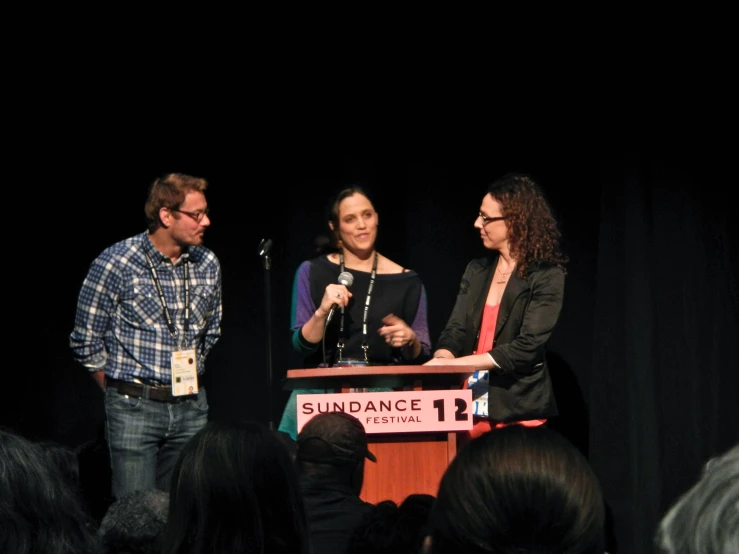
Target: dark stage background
{"points": [[644, 357]]}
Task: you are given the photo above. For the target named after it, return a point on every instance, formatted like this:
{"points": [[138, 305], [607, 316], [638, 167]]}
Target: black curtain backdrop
{"points": [[644, 358]]}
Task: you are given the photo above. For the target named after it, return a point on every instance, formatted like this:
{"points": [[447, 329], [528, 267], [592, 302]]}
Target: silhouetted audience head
{"points": [[393, 529], [518, 490], [40, 509], [376, 533], [80, 465], [135, 523], [234, 489], [65, 458], [415, 512], [330, 451], [705, 519], [334, 443]]}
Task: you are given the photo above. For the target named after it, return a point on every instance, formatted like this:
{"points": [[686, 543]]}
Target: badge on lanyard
{"points": [[184, 372], [479, 383]]}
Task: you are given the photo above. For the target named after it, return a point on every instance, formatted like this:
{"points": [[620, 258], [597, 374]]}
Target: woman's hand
{"points": [[396, 332], [441, 357], [313, 329], [476, 361], [334, 294]]}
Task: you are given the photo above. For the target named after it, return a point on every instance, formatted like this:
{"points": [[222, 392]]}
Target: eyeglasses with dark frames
{"points": [[486, 219], [197, 216]]}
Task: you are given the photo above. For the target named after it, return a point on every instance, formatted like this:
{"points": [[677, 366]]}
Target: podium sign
{"points": [[395, 412], [412, 428]]}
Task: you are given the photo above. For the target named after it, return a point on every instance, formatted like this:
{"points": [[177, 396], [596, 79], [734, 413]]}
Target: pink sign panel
{"points": [[395, 412]]}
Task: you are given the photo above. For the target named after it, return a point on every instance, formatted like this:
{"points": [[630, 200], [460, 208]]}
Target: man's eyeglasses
{"points": [[486, 219], [197, 216]]}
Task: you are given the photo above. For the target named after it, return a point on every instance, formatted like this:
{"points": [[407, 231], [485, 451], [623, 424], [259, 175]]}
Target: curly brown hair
{"points": [[533, 231]]}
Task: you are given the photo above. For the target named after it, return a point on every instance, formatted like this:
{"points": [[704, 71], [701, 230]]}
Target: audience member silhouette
{"points": [[77, 465], [41, 510], [330, 453], [415, 512], [64, 458], [393, 529], [705, 519], [234, 489], [518, 490], [135, 523]]}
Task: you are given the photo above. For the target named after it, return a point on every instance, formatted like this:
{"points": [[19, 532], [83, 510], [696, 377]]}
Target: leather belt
{"points": [[160, 393]]}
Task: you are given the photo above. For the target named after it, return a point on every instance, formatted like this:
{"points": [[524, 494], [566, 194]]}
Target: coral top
{"points": [[482, 424]]}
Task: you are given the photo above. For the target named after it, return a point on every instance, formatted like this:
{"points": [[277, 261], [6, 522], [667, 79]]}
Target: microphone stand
{"points": [[264, 251]]}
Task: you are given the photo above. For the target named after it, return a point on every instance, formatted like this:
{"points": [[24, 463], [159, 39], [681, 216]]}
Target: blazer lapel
{"points": [[515, 288], [478, 291]]}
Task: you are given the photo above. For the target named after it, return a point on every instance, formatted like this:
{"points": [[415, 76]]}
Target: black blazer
{"points": [[521, 388]]}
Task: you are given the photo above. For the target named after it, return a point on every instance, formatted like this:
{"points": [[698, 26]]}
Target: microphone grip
{"points": [[346, 279], [331, 312]]}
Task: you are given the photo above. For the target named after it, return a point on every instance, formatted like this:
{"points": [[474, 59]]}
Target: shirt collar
{"points": [[188, 254]]}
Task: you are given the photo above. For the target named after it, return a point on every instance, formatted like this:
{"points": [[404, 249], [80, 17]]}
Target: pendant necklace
{"points": [[504, 276]]}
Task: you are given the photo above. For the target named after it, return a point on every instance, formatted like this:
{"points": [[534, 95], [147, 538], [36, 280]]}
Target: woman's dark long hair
{"points": [[519, 490], [234, 489]]}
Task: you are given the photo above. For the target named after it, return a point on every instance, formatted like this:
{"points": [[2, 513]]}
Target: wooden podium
{"points": [[407, 463]]}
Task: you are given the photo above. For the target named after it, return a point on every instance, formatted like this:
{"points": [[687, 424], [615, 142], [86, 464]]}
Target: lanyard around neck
{"points": [[160, 292], [365, 345]]}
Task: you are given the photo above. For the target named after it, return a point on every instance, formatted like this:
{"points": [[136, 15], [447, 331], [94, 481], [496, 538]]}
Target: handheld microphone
{"points": [[265, 246], [346, 279]]}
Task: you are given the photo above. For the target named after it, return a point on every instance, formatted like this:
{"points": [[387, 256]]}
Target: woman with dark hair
{"points": [[519, 490], [507, 307], [377, 316], [41, 509], [234, 489]]}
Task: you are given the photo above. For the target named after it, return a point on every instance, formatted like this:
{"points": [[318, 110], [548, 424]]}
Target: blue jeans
{"points": [[145, 438]]}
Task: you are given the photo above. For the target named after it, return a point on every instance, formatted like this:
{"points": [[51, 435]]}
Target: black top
{"points": [[401, 294]]}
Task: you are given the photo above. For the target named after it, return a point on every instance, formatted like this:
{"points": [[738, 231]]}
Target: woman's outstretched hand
{"points": [[396, 332]]}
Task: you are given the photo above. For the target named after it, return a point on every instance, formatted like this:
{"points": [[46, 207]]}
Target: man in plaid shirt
{"points": [[148, 313]]}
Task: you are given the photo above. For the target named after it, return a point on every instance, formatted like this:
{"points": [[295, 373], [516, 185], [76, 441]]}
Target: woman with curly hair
{"points": [[507, 307]]}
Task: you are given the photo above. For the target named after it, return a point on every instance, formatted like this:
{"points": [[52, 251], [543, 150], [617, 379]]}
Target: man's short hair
{"points": [[334, 438]]}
